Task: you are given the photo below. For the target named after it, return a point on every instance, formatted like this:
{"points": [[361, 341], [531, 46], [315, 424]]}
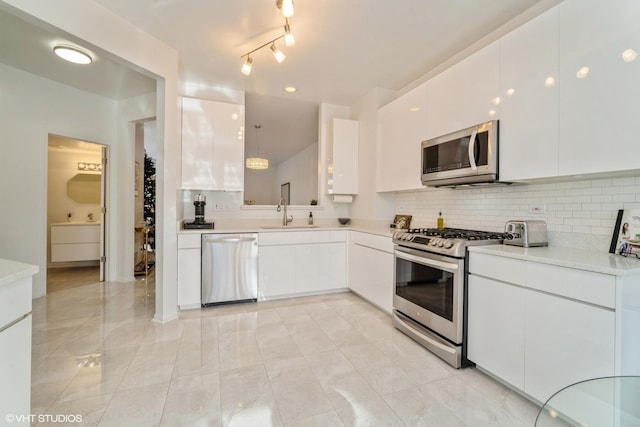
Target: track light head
{"points": [[246, 67], [289, 40], [277, 53], [286, 6]]}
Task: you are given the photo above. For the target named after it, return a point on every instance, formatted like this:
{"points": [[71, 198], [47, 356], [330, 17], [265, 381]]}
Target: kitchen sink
{"points": [[285, 227]]}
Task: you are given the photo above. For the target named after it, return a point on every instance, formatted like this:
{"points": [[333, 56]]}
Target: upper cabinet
{"points": [[600, 86], [212, 145], [342, 156], [466, 94], [402, 126], [529, 100]]}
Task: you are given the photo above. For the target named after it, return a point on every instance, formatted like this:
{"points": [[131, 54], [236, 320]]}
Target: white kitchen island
{"points": [[541, 319], [15, 341]]}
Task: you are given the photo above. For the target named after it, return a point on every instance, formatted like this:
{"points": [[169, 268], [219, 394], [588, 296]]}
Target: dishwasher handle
{"points": [[229, 239]]}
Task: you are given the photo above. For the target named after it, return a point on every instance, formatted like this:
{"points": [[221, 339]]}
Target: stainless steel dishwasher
{"points": [[229, 268]]}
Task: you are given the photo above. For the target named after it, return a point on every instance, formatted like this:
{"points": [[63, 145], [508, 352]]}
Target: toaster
{"points": [[526, 233]]}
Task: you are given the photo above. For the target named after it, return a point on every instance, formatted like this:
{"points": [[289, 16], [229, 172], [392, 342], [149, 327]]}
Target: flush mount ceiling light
{"points": [[72, 54], [289, 40], [290, 89]]}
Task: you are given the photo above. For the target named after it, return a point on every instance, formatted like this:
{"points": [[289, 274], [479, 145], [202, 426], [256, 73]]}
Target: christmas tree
{"points": [[149, 194]]}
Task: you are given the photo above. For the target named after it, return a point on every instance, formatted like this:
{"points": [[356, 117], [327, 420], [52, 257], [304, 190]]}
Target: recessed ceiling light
{"points": [[290, 89], [72, 54]]}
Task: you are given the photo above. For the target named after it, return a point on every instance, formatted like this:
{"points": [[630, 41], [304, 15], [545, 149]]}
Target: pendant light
{"points": [[257, 163]]}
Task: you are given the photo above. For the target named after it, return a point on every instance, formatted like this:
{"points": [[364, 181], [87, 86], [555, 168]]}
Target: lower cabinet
{"points": [[189, 270], [496, 328], [566, 341], [301, 262], [537, 341], [371, 268]]}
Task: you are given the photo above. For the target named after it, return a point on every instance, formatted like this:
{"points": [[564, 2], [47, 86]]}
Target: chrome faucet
{"points": [[283, 204]]}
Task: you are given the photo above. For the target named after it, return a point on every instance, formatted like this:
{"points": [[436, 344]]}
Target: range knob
{"points": [[448, 244], [434, 242], [440, 243]]}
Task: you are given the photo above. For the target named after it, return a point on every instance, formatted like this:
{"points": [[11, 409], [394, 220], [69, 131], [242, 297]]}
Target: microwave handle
{"points": [[472, 147]]}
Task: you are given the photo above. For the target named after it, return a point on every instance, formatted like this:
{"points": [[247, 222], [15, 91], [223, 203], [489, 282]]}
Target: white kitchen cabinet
{"points": [[15, 337], [496, 335], [342, 156], [566, 341], [75, 241], [189, 281], [552, 329], [402, 126], [212, 145], [599, 86], [300, 262], [371, 268], [529, 99], [465, 94], [276, 271]]}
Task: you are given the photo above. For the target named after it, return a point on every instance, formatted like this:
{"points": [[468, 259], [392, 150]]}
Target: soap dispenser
{"points": [[310, 218], [440, 221]]}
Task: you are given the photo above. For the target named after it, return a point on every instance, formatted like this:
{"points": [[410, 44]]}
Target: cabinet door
{"points": [[529, 89], [15, 368], [197, 144], [566, 342], [496, 328], [228, 146], [276, 271], [600, 88], [402, 126], [443, 114], [371, 275], [189, 278], [344, 158], [313, 267], [479, 87]]}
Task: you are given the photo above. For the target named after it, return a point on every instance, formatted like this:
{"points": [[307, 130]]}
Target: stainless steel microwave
{"points": [[468, 156]]}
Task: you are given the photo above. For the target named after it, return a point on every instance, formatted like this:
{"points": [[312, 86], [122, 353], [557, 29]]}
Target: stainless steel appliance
{"points": [[468, 156], [229, 268], [526, 233], [429, 302]]}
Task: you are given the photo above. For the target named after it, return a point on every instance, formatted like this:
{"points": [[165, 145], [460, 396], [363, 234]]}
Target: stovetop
{"points": [[446, 241]]}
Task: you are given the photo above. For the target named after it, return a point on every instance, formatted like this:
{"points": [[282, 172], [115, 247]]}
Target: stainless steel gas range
{"points": [[429, 301]]}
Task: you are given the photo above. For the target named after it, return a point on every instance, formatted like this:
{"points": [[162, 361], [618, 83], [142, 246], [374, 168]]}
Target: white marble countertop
{"points": [[599, 262], [77, 223], [11, 271], [270, 228]]}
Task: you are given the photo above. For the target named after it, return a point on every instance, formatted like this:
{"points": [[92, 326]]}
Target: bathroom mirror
{"points": [[284, 132], [84, 188]]}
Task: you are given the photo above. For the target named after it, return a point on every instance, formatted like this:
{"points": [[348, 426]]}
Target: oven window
{"points": [[427, 287]]}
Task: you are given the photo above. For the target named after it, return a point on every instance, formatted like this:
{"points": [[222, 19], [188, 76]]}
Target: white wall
{"points": [[295, 170], [579, 214], [96, 27], [30, 109], [262, 184], [369, 205]]}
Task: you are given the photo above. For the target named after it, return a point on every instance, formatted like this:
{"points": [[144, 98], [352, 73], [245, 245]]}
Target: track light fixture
{"points": [[289, 40], [246, 67], [286, 6], [287, 11], [277, 53]]}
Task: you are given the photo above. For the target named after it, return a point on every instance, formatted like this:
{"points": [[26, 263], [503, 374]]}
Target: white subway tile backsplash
{"points": [[579, 214]]}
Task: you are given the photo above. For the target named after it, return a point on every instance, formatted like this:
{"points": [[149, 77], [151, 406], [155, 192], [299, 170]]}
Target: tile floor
{"points": [[331, 360]]}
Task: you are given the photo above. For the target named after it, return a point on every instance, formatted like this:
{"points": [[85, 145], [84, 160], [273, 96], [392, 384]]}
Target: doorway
{"points": [[76, 212], [145, 197]]}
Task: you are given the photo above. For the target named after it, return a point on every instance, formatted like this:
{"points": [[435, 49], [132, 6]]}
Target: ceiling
{"points": [[343, 48]]}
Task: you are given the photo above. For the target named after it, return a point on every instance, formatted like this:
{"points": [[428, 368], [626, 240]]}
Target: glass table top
{"points": [[600, 402]]}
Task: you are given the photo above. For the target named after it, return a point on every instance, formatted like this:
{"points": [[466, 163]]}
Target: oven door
{"points": [[429, 289]]}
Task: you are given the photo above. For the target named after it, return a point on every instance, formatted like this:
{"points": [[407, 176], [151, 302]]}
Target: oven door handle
{"points": [[452, 268]]}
